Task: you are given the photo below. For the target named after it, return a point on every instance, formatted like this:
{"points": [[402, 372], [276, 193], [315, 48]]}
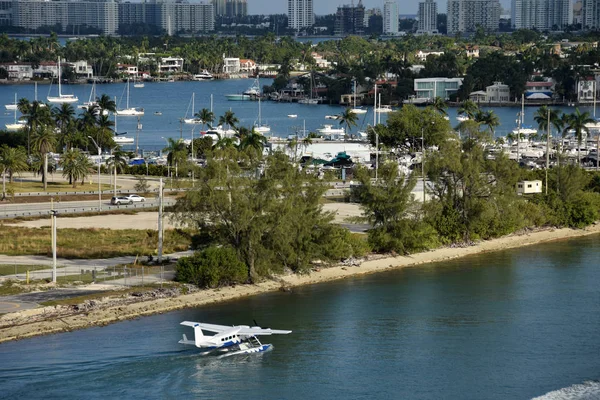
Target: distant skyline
{"points": [[323, 7]]}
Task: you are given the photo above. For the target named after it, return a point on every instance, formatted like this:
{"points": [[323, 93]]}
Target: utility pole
{"points": [[54, 214], [547, 150], [137, 137], [99, 188], [160, 220]]}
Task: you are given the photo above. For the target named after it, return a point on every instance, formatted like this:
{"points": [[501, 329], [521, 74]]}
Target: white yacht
{"points": [[384, 109], [204, 75], [193, 120], [260, 127]]}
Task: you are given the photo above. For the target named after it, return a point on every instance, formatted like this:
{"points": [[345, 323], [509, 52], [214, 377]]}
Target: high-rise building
{"points": [[220, 7], [33, 14], [590, 14], [390, 17], [236, 8], [427, 17], [186, 17], [541, 14], [370, 13], [5, 12], [466, 15], [350, 19], [300, 14]]}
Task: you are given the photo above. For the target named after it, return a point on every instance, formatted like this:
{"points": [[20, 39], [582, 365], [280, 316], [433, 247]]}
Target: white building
{"points": [[169, 65], [127, 69], [466, 15], [32, 14], [231, 65], [430, 88], [390, 17], [422, 55], [427, 17], [497, 93], [541, 14], [585, 90], [529, 187], [300, 14]]}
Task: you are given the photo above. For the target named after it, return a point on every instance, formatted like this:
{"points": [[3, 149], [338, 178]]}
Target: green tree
{"points": [[578, 122], [12, 160], [348, 118], [206, 116], [177, 153], [229, 119], [44, 141], [76, 166], [440, 105], [468, 108]]}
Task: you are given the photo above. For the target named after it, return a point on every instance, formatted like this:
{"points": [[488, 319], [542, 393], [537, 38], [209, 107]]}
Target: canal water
{"points": [[513, 324], [173, 99]]}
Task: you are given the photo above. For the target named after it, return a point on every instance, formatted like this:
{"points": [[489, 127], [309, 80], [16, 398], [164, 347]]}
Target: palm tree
{"points": [[12, 160], [253, 140], [177, 152], [307, 141], [206, 116], [348, 118], [224, 142], [37, 114], [468, 108], [44, 141], [229, 119], [579, 122], [118, 162], [490, 119], [76, 165], [439, 105], [106, 103]]}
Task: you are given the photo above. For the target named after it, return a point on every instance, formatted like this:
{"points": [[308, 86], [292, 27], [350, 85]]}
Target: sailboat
{"points": [[18, 124], [260, 128], [119, 138], [11, 107], [62, 98], [309, 100], [193, 120], [127, 111], [357, 110], [136, 83]]}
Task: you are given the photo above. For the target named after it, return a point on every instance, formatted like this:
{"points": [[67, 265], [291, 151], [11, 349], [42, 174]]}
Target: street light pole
{"points": [[99, 188], [423, 160], [54, 214]]}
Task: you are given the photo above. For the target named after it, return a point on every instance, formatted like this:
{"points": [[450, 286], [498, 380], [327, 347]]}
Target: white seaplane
{"points": [[229, 340]]}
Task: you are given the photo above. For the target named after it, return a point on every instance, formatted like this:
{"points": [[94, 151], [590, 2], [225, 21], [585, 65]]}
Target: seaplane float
{"points": [[229, 340]]}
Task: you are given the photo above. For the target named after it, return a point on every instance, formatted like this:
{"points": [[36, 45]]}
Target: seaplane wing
{"points": [[207, 327], [240, 329], [256, 331]]}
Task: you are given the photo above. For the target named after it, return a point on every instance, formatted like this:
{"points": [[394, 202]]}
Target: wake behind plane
{"points": [[229, 340]]}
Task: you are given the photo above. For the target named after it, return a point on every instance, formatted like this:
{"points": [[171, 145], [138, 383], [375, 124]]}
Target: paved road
{"points": [[33, 209]]}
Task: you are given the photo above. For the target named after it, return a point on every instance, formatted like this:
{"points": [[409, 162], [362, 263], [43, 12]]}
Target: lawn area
{"points": [[53, 187], [20, 269], [90, 243], [99, 295]]}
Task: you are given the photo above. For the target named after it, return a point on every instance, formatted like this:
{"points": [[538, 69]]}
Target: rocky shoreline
{"points": [[55, 319]]}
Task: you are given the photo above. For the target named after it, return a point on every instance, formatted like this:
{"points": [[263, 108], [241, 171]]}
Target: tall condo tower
{"points": [[390, 17], [466, 15], [428, 17], [300, 14], [541, 14]]}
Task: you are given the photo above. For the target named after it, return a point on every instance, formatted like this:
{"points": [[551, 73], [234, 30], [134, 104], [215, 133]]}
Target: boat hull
{"points": [[63, 99], [238, 97], [130, 112], [14, 127]]}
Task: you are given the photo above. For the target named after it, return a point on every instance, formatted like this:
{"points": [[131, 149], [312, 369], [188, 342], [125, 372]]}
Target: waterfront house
{"points": [[585, 89], [497, 93], [231, 65], [18, 71], [169, 65], [536, 88], [478, 97], [247, 65], [127, 69], [430, 88], [529, 187]]}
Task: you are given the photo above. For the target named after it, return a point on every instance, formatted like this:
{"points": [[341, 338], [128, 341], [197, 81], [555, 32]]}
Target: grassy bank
{"points": [[89, 243], [27, 186]]}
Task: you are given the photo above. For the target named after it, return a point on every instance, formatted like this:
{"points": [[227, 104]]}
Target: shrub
{"points": [[405, 237], [212, 267]]}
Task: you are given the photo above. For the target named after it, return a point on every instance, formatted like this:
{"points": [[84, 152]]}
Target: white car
{"points": [[135, 198]]}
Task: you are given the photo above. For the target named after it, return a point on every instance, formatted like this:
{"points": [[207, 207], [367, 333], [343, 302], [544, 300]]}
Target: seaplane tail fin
{"points": [[198, 335]]}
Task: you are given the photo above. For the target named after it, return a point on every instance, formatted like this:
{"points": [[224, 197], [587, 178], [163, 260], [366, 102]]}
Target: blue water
{"points": [[506, 325], [173, 100]]}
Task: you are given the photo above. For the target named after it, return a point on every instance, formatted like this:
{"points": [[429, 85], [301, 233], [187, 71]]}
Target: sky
{"points": [[330, 6]]}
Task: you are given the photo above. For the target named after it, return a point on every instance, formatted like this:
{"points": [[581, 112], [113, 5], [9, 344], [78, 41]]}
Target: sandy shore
{"points": [[23, 324]]}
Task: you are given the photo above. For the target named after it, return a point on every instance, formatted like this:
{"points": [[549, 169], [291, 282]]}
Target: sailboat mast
{"points": [[35, 92], [127, 94], [15, 107], [59, 89], [211, 103], [259, 113], [116, 116], [375, 106], [354, 93]]}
